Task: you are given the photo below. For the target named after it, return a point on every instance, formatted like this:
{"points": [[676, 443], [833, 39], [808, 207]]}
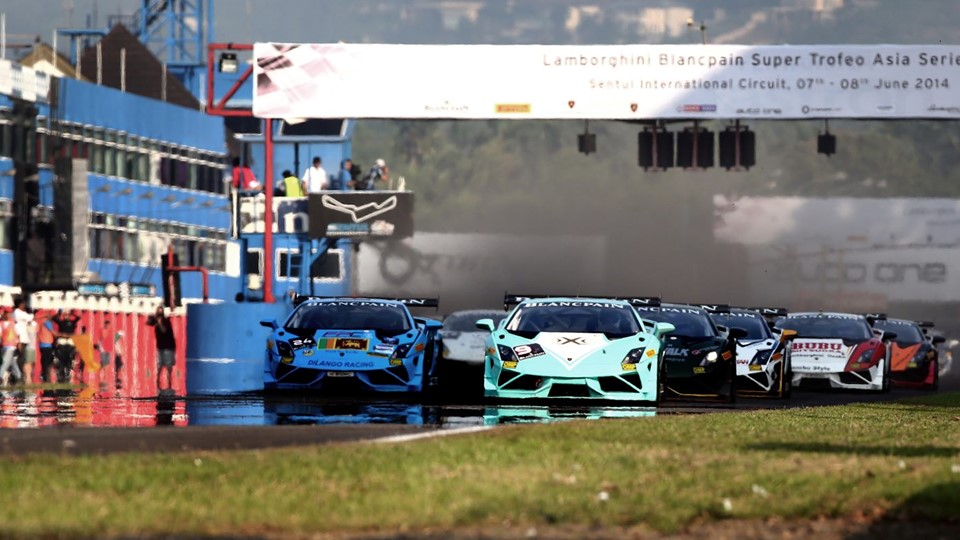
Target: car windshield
{"points": [[906, 332], [467, 321], [385, 318], [689, 322], [611, 319], [754, 324], [827, 327]]}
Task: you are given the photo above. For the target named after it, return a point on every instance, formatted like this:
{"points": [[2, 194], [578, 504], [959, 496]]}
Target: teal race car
{"points": [[574, 348]]}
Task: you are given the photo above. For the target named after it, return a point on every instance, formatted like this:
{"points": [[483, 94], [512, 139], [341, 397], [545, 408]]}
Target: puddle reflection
{"points": [[102, 407]]}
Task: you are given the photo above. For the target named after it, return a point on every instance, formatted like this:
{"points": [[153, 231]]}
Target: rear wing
{"points": [[713, 308], [409, 302], [873, 317], [770, 312], [514, 299]]}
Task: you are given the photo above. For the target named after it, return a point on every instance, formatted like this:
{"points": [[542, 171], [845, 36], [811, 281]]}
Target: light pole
{"points": [[702, 28]]}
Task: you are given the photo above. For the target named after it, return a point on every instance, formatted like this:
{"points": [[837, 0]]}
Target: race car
{"points": [[347, 343], [571, 347], [762, 370], [700, 356], [462, 340], [837, 350], [914, 359]]}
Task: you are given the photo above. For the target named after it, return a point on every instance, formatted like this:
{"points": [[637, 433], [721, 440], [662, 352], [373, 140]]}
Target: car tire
{"points": [[885, 386], [731, 397], [786, 390], [661, 383], [936, 376]]}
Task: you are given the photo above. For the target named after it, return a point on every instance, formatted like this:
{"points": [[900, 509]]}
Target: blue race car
{"points": [[359, 344], [594, 348]]}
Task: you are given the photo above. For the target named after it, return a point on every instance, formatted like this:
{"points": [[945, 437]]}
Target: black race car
{"points": [[700, 355]]}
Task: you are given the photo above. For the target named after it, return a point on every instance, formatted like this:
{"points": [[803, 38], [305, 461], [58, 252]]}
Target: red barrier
{"points": [[138, 352]]}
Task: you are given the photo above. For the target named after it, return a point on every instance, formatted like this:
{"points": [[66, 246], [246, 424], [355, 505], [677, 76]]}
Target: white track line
{"points": [[429, 434]]}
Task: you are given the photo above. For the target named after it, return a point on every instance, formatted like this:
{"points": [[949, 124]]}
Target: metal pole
{"points": [[268, 213], [123, 69], [163, 84], [75, 51], [3, 36], [99, 63], [53, 52]]}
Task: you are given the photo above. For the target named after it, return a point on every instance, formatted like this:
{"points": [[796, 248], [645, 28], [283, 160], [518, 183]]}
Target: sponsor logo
{"points": [[562, 340], [817, 346], [446, 107], [854, 272], [343, 344], [633, 107], [396, 361], [807, 109], [340, 364], [512, 108], [571, 104], [510, 364], [677, 351], [761, 110], [343, 374], [696, 108], [359, 212], [756, 368], [528, 351], [952, 109], [344, 334], [308, 352], [699, 369], [628, 367]]}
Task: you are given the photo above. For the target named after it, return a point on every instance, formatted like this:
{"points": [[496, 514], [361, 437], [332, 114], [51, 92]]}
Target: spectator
{"points": [[315, 177], [104, 343], [65, 349], [355, 174], [342, 180], [10, 342], [166, 346], [24, 320], [243, 177], [118, 345], [46, 332], [378, 173], [291, 183]]}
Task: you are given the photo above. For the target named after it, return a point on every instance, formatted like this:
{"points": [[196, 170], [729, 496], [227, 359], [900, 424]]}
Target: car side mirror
{"points": [[485, 324], [662, 328], [738, 333], [937, 340], [787, 335], [888, 336], [270, 323]]}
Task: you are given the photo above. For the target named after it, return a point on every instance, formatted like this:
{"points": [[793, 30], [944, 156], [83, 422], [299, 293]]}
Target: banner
{"points": [[624, 82], [363, 214], [818, 251]]}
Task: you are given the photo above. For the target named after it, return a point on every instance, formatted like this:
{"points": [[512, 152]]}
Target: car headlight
{"points": [[506, 354], [401, 350], [712, 356], [446, 350], [922, 355], [761, 357], [866, 357], [634, 356]]}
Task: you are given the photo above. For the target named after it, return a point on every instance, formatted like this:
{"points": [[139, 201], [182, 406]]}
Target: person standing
{"points": [[378, 173], [46, 332], [24, 320], [105, 344], [315, 177], [343, 180], [292, 186], [166, 346], [66, 349], [118, 346], [243, 177], [10, 342]]}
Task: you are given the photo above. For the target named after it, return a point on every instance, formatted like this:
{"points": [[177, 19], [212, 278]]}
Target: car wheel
{"points": [[731, 396], [786, 387], [936, 376], [661, 383]]}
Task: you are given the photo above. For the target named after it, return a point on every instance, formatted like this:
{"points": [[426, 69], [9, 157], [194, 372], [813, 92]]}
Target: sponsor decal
{"points": [[343, 374], [512, 108], [342, 344], [692, 108], [651, 353], [302, 343], [524, 352], [396, 361], [699, 369], [911, 365], [385, 350], [677, 351], [510, 364], [628, 367], [576, 304], [446, 107], [341, 364], [360, 212], [807, 109], [756, 368], [308, 352], [577, 340], [571, 104], [817, 346], [727, 355]]}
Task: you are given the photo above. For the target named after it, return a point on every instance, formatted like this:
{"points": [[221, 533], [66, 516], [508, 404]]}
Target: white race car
{"points": [[837, 350], [462, 340], [762, 369]]}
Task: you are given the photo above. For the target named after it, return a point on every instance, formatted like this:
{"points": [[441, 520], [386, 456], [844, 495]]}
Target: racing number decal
{"points": [[528, 351]]}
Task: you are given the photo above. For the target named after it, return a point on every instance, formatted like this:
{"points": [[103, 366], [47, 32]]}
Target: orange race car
{"points": [[914, 359]]}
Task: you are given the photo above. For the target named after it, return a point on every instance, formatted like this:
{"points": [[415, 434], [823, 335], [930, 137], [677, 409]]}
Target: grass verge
{"points": [[896, 458]]}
